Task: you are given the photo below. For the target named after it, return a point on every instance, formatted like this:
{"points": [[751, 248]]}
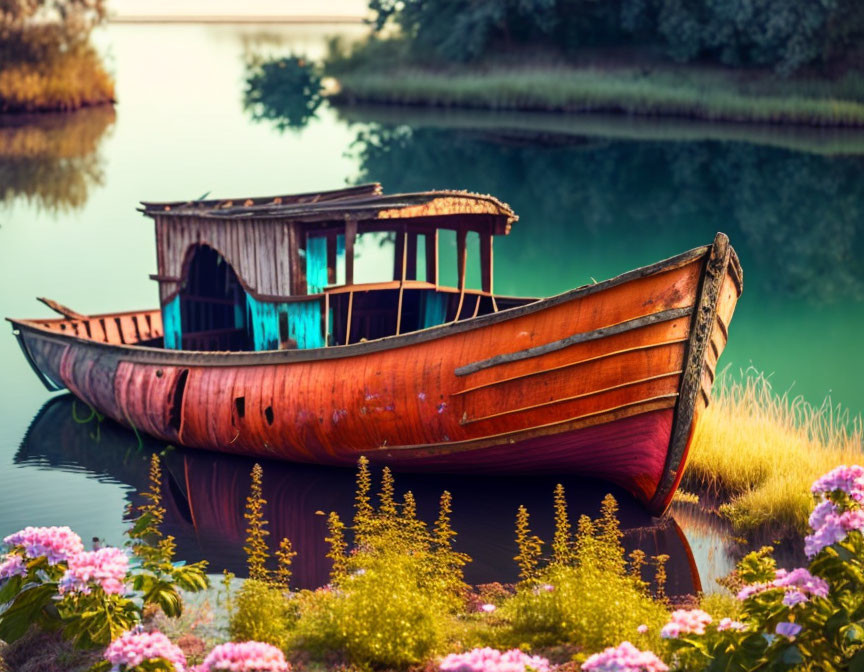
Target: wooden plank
{"points": [[411, 257], [399, 255], [331, 259], [350, 235], [593, 335], [486, 262], [432, 257]]}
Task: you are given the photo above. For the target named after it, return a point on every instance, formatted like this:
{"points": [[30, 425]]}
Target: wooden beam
{"points": [[486, 265], [350, 235], [331, 259], [432, 257], [462, 263], [404, 270], [399, 254], [411, 257], [297, 242], [461, 256]]}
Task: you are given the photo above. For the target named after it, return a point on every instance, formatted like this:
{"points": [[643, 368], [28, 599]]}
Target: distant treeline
{"points": [[783, 34]]}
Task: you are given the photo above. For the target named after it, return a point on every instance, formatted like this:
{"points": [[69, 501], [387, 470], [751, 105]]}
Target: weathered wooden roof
{"points": [[364, 202]]}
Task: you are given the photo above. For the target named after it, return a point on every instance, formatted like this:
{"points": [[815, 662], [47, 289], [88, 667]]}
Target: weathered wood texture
{"points": [[607, 406], [259, 255]]}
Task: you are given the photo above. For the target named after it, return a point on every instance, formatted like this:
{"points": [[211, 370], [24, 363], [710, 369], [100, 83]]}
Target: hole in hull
{"points": [[240, 405], [268, 414], [175, 413]]}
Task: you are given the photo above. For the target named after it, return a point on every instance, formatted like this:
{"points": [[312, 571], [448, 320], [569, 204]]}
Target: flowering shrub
{"points": [[492, 660], [244, 657], [106, 568], [624, 658], [686, 621], [143, 652], [55, 544], [586, 596], [48, 580], [812, 615]]}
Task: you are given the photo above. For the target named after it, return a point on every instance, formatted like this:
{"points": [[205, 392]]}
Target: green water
{"points": [[596, 197]]}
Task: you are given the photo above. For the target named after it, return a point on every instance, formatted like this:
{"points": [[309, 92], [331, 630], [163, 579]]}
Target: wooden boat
{"points": [[266, 345]]}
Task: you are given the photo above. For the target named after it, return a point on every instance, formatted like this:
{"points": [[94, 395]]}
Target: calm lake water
{"points": [[596, 197]]}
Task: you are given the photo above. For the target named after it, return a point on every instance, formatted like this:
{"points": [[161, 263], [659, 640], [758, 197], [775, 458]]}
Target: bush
{"points": [[380, 615], [586, 596], [49, 581], [260, 612]]}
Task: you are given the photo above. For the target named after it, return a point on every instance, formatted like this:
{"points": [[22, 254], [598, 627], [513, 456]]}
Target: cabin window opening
{"points": [[374, 256], [420, 262], [175, 411], [240, 406], [212, 304], [473, 272], [268, 415]]}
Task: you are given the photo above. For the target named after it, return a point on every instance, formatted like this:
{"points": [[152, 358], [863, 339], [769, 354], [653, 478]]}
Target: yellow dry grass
{"points": [[761, 451], [75, 80]]}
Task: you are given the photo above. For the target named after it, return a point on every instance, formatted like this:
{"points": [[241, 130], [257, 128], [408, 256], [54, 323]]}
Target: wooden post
{"points": [[326, 319], [348, 323], [462, 262], [399, 255], [432, 257], [411, 256], [331, 258], [297, 242], [403, 271], [486, 265], [350, 235]]}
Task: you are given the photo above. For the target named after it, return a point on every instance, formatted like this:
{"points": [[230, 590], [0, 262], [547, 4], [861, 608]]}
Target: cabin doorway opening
{"points": [[212, 304]]}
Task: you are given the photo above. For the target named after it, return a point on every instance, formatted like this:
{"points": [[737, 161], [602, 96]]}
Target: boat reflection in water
{"points": [[205, 495]]}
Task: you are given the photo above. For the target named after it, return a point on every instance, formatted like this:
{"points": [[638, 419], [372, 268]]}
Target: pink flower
{"points": [[624, 658], [848, 479], [789, 630], [799, 586], [12, 565], [687, 622], [642, 629], [492, 660], [133, 648], [488, 608], [244, 657], [55, 543], [834, 528], [729, 624], [106, 567]]}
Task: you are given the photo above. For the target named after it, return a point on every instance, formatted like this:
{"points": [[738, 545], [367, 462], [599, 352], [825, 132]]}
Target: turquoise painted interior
{"points": [[434, 308], [303, 320], [316, 265], [171, 324]]}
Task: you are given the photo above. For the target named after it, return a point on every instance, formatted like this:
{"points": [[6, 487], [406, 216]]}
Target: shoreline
{"points": [[662, 92]]}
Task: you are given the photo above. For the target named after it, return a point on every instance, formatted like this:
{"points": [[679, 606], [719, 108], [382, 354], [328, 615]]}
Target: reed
{"points": [[761, 450], [698, 94]]}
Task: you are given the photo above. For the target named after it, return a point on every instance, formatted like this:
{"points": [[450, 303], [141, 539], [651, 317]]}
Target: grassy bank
{"points": [[75, 80], [760, 451], [658, 90], [823, 141]]}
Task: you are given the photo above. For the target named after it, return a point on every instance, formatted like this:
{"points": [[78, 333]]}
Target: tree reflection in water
{"points": [[53, 160], [795, 217], [284, 91]]}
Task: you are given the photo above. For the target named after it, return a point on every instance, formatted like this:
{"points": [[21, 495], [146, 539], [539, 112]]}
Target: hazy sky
{"points": [[239, 7]]}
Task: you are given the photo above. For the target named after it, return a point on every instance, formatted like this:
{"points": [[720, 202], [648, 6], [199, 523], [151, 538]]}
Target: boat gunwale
{"points": [[151, 355]]}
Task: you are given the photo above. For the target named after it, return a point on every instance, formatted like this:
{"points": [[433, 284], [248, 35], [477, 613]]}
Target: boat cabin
{"points": [[323, 269]]}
